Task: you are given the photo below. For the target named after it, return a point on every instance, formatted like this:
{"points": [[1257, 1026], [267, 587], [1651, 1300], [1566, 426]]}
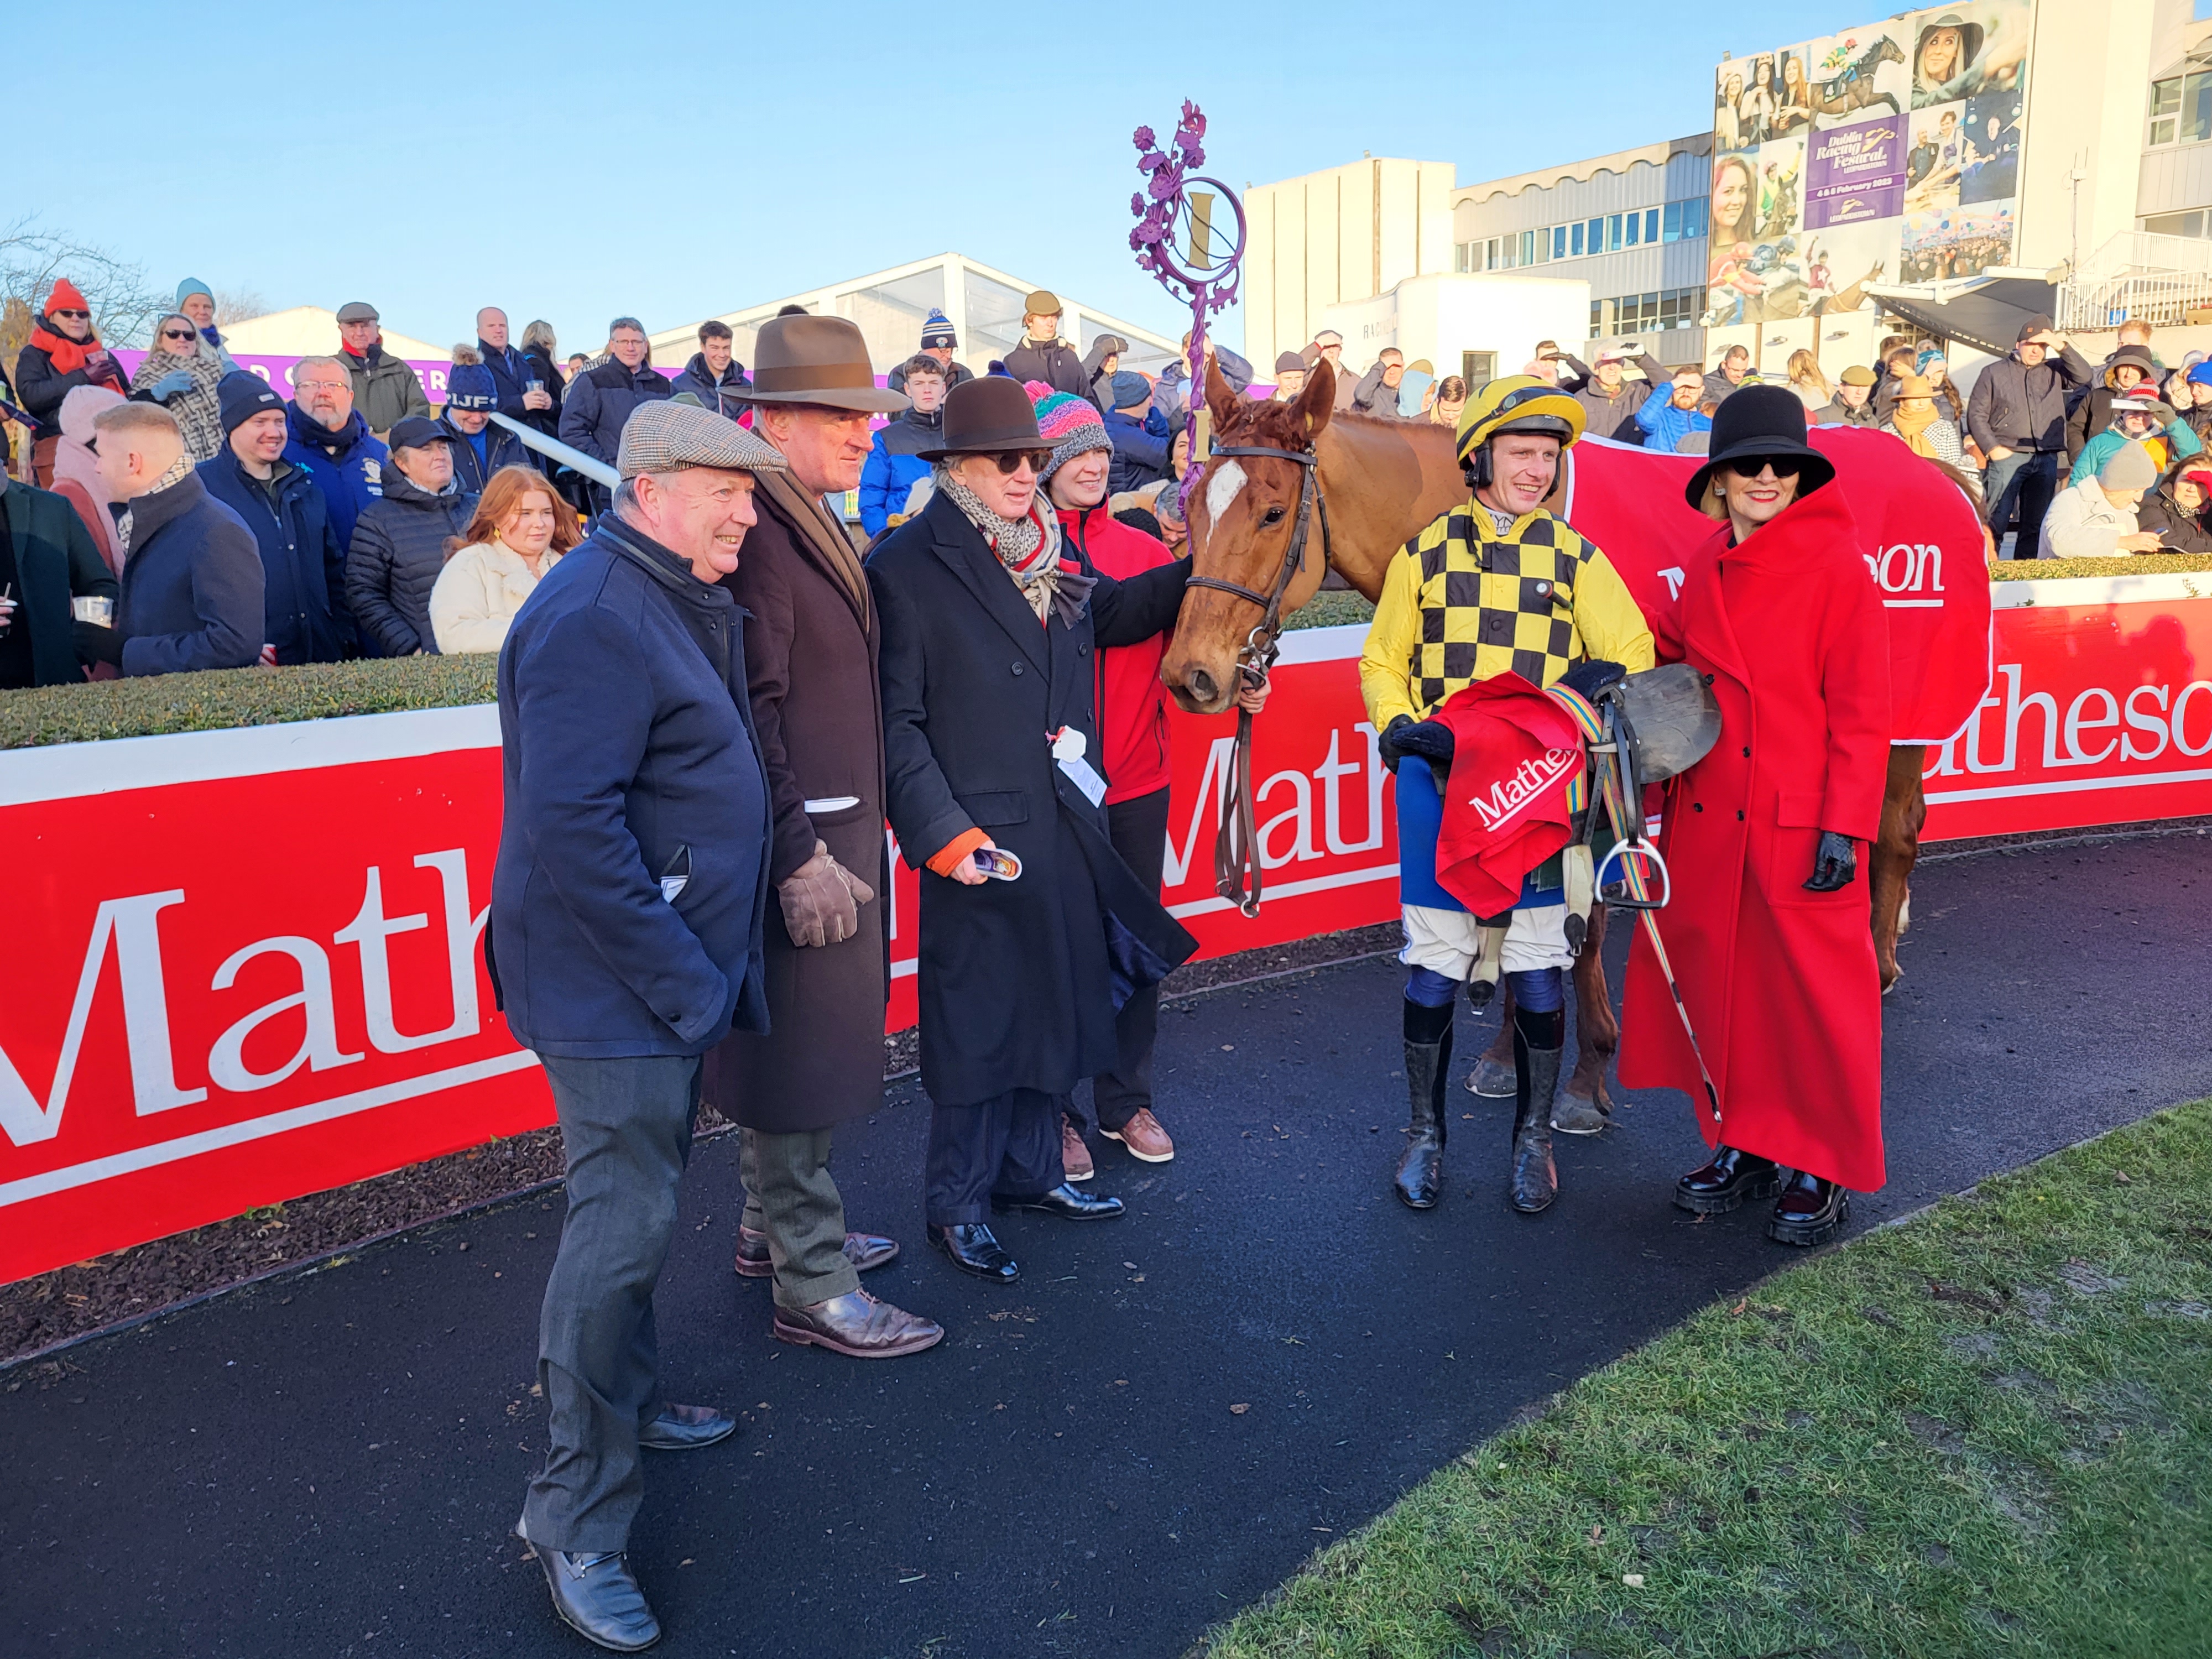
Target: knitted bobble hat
{"points": [[1069, 423], [936, 331]]}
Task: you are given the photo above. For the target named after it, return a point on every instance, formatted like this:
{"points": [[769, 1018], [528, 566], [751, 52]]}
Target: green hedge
{"points": [[241, 696], [269, 696]]}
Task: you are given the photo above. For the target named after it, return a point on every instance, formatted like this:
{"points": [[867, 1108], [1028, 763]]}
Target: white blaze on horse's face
{"points": [[1221, 491]]}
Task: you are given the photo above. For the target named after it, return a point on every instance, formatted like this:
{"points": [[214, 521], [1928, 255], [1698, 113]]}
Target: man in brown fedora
{"points": [[1043, 355], [810, 635]]}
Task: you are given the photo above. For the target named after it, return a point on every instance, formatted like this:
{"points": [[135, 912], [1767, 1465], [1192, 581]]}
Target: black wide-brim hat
{"points": [[985, 417], [1757, 420]]}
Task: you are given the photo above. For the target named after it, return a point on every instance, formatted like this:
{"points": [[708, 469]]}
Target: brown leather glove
{"points": [[820, 900]]}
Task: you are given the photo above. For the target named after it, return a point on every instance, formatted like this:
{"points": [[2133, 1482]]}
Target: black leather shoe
{"points": [[686, 1428], [596, 1594], [1729, 1181], [974, 1248], [1810, 1211], [1064, 1202]]}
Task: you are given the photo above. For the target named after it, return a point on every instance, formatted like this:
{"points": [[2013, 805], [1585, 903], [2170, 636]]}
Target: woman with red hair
{"points": [[520, 529]]}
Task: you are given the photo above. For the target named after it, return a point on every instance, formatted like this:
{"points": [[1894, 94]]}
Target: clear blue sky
{"points": [[674, 160]]}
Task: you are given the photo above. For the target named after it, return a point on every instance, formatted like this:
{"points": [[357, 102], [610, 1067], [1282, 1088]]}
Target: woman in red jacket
{"points": [[1767, 927]]}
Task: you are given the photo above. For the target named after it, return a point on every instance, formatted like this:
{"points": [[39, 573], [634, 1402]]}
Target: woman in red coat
{"points": [[1767, 924]]}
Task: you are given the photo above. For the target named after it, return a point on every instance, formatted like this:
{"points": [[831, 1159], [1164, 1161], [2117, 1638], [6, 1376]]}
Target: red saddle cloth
{"points": [[1515, 783]]}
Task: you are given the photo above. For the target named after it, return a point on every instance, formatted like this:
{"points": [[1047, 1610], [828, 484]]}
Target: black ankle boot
{"points": [[1428, 1063], [1730, 1180], [1535, 1180], [1810, 1211]]}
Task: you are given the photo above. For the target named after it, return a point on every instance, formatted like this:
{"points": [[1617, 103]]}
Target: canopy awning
{"points": [[1984, 312]]}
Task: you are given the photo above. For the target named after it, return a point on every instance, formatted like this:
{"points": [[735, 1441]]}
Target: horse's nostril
{"points": [[1201, 685]]}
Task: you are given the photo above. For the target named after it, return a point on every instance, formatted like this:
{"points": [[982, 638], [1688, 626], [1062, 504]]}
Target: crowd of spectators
{"points": [[384, 526]]}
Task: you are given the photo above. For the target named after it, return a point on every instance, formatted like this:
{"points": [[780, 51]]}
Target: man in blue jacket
{"points": [[304, 612], [191, 575], [330, 437], [1665, 422], [600, 400], [1140, 435], [480, 449], [625, 941], [895, 466]]}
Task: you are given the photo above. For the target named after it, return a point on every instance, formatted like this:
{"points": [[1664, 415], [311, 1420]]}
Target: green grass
{"points": [[1987, 1431], [241, 697]]}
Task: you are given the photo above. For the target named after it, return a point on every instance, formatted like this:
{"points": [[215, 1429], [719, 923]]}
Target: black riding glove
{"points": [[1834, 865], [1588, 679], [97, 644], [1430, 739]]}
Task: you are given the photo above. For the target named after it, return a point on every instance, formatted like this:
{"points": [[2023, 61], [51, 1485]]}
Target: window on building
{"points": [[1612, 233], [1597, 317], [1574, 239], [2178, 224], [2181, 109], [1478, 368], [1635, 228], [1492, 250], [1651, 225], [1527, 247]]}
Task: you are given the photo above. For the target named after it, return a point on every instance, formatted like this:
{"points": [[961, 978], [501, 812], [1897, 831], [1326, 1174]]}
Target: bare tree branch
{"points": [[124, 304]]}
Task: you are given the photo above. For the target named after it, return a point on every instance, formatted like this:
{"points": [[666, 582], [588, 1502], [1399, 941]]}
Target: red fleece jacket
{"points": [[1132, 704]]}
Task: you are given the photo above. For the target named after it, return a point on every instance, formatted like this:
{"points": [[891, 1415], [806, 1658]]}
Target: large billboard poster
{"points": [[1889, 152]]}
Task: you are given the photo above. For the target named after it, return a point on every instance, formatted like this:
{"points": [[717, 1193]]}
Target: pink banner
{"points": [[277, 371]]}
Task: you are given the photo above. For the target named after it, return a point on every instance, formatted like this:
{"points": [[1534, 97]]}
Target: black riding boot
{"points": [[1428, 1063], [1539, 1043]]}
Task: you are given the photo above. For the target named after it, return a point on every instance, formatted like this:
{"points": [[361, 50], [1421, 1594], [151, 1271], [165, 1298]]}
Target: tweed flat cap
{"points": [[667, 436]]}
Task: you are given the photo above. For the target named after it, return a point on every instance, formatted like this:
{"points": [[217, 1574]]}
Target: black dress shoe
{"points": [[686, 1428], [1725, 1183], [1810, 1211], [596, 1594], [1064, 1202], [974, 1248]]}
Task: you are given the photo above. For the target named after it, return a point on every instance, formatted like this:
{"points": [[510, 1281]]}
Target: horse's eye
{"points": [[1274, 516]]}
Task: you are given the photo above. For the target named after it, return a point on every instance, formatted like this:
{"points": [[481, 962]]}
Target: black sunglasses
{"points": [[1785, 466], [176, 334], [73, 313], [1010, 460]]}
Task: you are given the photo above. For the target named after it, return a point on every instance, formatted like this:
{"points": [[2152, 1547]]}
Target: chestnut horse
{"points": [[1383, 481]]}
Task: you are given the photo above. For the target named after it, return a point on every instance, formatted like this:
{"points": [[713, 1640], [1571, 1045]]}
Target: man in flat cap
{"points": [[811, 633], [626, 921], [1043, 355], [385, 391]]}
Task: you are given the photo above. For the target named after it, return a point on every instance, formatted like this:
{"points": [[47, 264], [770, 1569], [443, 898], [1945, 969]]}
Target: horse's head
{"points": [[1887, 50], [1244, 512]]}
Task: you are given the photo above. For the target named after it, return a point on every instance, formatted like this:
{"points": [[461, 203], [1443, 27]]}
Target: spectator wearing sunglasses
{"points": [[65, 354], [182, 377], [989, 641]]}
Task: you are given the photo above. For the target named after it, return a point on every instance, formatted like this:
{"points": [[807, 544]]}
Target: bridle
{"points": [[1235, 858]]}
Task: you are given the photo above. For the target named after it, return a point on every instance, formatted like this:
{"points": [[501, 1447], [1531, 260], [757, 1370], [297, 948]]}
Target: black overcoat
{"points": [[811, 665], [1019, 980]]}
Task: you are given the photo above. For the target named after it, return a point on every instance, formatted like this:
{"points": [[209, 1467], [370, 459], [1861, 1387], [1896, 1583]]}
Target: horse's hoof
{"points": [[1492, 1079]]}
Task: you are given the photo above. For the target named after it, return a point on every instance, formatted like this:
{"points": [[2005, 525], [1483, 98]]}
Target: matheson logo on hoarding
{"points": [[297, 1028]]}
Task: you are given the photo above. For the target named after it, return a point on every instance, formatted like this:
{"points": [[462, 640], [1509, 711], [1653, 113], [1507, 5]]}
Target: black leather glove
{"points": [[1387, 742], [1834, 865], [97, 644], [1588, 679]]}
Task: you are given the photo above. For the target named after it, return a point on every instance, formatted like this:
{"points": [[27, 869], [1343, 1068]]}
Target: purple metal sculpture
{"points": [[1178, 239]]}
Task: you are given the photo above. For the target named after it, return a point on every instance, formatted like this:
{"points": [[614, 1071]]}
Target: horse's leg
{"points": [[1492, 1076], [1903, 810], [1597, 1032]]}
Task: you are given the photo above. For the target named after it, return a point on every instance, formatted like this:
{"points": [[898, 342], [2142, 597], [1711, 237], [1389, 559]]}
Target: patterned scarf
{"points": [[180, 470], [1029, 548]]}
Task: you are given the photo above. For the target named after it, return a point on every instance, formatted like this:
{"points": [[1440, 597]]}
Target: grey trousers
{"points": [[626, 1132], [790, 1196]]}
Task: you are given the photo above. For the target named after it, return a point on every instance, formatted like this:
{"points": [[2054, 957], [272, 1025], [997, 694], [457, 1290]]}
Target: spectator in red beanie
{"points": [[65, 354]]}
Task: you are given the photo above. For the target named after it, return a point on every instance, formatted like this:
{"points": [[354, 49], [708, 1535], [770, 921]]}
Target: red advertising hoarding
{"points": [[242, 964]]}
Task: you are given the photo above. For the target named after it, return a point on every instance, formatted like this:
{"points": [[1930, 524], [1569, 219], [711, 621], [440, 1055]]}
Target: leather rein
{"points": [[1235, 855]]}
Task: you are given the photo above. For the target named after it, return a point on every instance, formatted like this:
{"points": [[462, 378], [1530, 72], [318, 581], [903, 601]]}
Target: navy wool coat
{"points": [[627, 904], [1019, 980]]}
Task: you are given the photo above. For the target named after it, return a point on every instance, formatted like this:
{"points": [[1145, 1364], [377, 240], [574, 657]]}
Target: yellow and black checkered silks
{"points": [[1517, 397], [1462, 602]]}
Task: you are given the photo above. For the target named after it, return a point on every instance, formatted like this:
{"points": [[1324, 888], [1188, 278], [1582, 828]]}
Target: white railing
{"points": [[2140, 277]]}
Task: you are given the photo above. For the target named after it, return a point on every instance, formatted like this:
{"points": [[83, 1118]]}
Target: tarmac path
{"points": [[1155, 1425]]}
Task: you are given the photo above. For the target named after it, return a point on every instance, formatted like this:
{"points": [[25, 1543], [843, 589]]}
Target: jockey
{"points": [[1495, 586]]}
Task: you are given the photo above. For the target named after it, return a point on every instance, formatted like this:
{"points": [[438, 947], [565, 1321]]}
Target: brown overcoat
{"points": [[811, 666]]}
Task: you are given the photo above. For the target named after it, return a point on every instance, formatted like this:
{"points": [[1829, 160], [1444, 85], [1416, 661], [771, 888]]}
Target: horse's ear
{"points": [[1317, 401], [1220, 396]]}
